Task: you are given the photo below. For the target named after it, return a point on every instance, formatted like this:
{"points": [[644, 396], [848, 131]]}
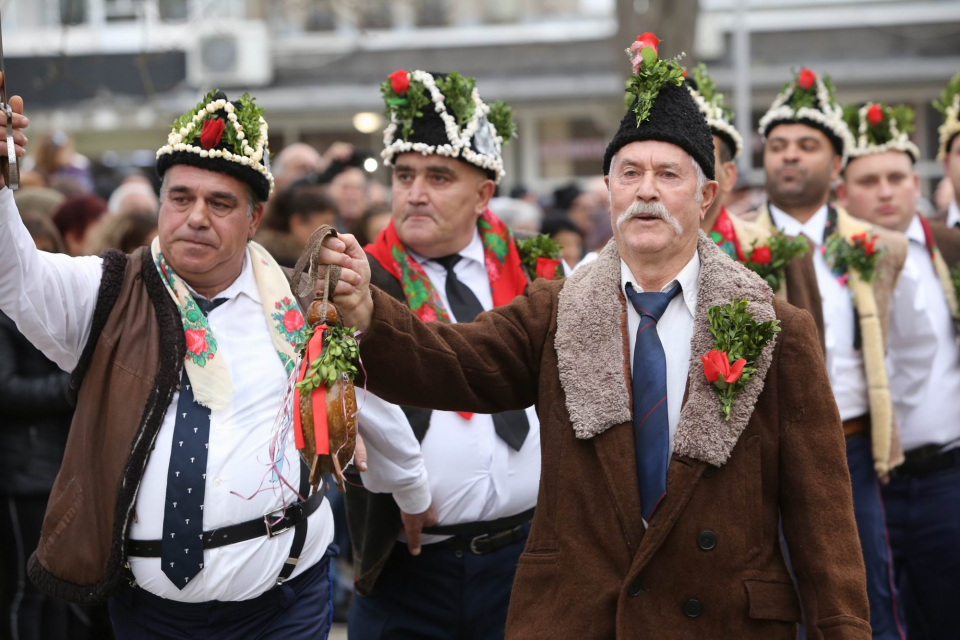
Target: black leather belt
{"points": [[925, 460], [482, 537], [271, 525]]}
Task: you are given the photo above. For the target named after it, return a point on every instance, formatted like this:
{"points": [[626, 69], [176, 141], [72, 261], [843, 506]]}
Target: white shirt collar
{"points": [[688, 278], [246, 283], [473, 251], [915, 233], [953, 213], [813, 228]]}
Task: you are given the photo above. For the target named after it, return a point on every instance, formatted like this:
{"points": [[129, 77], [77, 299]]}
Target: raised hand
{"points": [[20, 121], [352, 295]]}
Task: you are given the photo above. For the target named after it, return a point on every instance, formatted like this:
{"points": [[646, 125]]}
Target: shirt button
{"points": [[219, 427], [216, 482], [458, 553]]}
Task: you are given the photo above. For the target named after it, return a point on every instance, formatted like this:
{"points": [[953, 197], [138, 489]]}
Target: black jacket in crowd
{"points": [[34, 415]]}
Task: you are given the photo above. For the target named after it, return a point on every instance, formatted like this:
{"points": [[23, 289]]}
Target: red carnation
{"points": [[806, 79], [875, 114], [292, 321], [684, 74], [400, 81], [196, 341], [547, 268], [211, 133], [761, 255], [646, 40]]}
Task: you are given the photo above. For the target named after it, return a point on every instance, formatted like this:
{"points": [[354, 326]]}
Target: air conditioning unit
{"points": [[230, 53]]}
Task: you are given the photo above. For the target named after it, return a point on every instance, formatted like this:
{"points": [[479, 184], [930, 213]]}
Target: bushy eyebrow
{"points": [[433, 168]]}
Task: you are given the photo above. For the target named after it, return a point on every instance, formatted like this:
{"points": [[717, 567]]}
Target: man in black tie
{"points": [[449, 258]]}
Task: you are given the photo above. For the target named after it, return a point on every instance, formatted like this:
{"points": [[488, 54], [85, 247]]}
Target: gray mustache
{"points": [[638, 209]]}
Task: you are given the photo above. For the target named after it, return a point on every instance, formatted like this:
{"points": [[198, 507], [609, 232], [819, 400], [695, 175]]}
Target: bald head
{"points": [[294, 162]]}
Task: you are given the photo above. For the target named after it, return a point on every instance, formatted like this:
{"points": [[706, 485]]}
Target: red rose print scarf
{"points": [[208, 374], [507, 279]]}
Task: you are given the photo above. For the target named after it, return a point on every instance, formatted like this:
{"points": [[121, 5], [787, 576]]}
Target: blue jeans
{"points": [[299, 609], [923, 516], [886, 615]]}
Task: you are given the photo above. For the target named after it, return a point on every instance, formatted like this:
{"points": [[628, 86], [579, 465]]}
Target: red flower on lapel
{"points": [[717, 368], [761, 255]]}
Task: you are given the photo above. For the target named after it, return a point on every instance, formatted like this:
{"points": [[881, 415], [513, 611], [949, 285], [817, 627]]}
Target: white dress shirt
{"points": [[474, 475], [953, 214], [848, 379], [925, 374], [675, 330], [52, 299]]}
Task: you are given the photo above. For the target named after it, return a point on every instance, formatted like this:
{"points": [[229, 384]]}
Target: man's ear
{"points": [[485, 191], [255, 220], [710, 192], [842, 195], [836, 166], [730, 175]]}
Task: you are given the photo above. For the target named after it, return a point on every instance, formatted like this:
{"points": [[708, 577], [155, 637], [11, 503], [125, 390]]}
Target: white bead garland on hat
{"points": [[950, 126], [715, 120], [459, 145], [251, 157]]}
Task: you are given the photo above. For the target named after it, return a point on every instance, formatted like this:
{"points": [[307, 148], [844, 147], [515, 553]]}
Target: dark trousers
{"points": [[299, 609], [923, 516], [442, 594], [886, 616], [26, 613]]}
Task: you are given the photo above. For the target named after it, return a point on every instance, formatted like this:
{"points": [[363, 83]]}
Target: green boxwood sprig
{"points": [[339, 357]]}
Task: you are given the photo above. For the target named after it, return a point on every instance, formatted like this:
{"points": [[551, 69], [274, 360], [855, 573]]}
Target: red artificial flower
{"points": [[547, 268], [875, 114], [716, 366], [684, 74], [292, 321], [399, 81], [870, 247], [196, 341], [761, 255], [806, 79], [211, 133], [648, 40]]}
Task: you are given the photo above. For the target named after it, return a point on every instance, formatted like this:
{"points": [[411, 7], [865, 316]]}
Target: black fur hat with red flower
{"points": [[661, 108], [219, 135]]}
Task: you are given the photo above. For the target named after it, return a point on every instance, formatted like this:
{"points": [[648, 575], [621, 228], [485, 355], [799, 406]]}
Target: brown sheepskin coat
{"points": [[710, 564]]}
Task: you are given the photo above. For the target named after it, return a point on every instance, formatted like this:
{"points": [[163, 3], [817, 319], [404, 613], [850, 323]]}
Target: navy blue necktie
{"points": [[511, 426], [181, 553], [651, 428]]}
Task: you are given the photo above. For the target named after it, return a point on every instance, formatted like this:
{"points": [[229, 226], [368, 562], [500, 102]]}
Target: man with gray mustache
{"points": [[675, 431]]}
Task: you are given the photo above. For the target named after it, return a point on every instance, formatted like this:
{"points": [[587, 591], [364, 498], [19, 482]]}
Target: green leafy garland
{"points": [[801, 97], [707, 89], [405, 108], [645, 85], [248, 116], [501, 117], [879, 134], [339, 357], [947, 95], [457, 93], [539, 246], [738, 335], [783, 249]]}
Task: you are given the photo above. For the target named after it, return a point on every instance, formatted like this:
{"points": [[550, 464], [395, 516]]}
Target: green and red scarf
{"points": [[507, 279], [725, 236]]}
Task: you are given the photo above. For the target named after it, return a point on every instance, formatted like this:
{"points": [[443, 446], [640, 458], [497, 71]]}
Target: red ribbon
{"points": [[318, 398]]}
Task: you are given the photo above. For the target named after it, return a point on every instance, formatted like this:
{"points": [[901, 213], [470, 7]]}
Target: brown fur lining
{"points": [[590, 354]]}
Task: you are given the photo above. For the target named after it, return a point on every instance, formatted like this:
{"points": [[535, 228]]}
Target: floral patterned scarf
{"points": [[208, 374], [507, 279], [725, 236]]}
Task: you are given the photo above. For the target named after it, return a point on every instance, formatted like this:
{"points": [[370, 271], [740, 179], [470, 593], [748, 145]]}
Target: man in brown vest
{"points": [[665, 472], [174, 502], [880, 186], [858, 269]]}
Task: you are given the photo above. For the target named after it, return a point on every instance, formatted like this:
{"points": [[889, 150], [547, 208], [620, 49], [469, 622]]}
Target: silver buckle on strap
{"points": [[271, 532]]}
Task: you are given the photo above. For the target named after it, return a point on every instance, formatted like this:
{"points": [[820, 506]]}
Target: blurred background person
{"points": [[520, 215], [568, 236], [40, 200], [124, 231], [134, 195], [61, 166], [75, 218], [374, 220], [33, 433], [295, 213], [295, 162], [349, 187]]}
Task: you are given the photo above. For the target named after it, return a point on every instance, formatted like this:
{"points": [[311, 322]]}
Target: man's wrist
{"points": [[414, 499]]}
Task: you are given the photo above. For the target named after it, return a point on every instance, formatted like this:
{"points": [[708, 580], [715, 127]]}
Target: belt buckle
{"points": [[271, 533], [473, 545]]}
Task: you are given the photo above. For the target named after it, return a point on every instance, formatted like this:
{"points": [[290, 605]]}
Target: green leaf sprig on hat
{"points": [[247, 114], [650, 74], [707, 89], [878, 120], [949, 105]]}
